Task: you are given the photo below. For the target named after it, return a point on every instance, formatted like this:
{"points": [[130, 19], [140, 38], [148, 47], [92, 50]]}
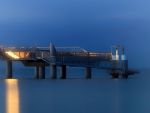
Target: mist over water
{"points": [[75, 94]]}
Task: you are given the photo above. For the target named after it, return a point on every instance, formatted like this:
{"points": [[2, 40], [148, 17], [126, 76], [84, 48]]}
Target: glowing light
{"points": [[12, 96], [12, 54]]}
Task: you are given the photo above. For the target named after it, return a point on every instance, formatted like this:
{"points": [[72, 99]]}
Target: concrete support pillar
{"points": [[115, 75], [8, 69], [63, 71], [53, 71], [124, 66], [36, 72], [87, 72], [42, 72]]}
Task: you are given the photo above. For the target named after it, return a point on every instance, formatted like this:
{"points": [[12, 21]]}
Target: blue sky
{"points": [[92, 24]]}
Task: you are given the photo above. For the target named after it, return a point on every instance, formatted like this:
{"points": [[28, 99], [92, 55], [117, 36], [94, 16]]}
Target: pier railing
{"points": [[79, 60], [72, 56]]}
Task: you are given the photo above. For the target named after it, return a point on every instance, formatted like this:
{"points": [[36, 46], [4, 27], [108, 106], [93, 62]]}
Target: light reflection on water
{"points": [[12, 96], [106, 95]]}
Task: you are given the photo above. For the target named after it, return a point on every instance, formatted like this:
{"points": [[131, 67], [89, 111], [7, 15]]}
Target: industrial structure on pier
{"points": [[52, 56]]}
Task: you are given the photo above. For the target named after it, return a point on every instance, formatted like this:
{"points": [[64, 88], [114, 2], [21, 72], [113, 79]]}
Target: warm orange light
{"points": [[12, 96], [12, 54]]}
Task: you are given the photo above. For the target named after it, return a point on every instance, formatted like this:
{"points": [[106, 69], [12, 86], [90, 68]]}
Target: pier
{"points": [[53, 57]]}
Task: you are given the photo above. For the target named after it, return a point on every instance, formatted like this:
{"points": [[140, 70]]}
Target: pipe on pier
{"points": [[53, 68], [63, 71], [36, 70], [41, 72], [115, 59], [8, 69], [124, 66], [87, 72]]}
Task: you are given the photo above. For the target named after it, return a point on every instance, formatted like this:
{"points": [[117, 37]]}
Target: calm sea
{"points": [[101, 94]]}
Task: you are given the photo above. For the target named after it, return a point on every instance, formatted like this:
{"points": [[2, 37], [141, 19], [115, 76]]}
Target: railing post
{"points": [[42, 54]]}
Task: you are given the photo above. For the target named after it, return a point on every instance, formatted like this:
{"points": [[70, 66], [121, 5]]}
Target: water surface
{"points": [[74, 94]]}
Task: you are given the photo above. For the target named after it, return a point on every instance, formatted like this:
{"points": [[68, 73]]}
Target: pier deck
{"points": [[39, 57]]}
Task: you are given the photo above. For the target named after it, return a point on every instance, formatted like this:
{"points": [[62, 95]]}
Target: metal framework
{"points": [[70, 56]]}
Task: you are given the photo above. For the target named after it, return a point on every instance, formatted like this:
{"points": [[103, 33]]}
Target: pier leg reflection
{"points": [[117, 96], [12, 96]]}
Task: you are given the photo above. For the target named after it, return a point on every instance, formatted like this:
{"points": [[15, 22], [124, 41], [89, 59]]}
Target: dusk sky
{"points": [[95, 25]]}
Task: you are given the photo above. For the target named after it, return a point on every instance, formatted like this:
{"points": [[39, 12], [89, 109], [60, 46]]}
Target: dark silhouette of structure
{"points": [[52, 56]]}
